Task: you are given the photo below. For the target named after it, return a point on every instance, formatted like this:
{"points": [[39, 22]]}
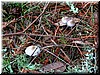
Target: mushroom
{"points": [[32, 50], [69, 21]]}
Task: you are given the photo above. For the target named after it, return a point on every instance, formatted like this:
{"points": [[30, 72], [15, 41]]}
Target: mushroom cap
{"points": [[64, 20], [70, 23], [32, 50]]}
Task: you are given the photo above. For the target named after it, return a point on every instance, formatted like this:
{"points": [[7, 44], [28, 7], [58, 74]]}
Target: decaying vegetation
{"points": [[63, 50]]}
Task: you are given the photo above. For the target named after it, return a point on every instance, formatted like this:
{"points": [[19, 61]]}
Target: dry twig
{"points": [[37, 17]]}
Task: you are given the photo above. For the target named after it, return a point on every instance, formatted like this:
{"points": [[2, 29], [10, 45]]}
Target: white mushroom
{"points": [[33, 50], [64, 20], [69, 21]]}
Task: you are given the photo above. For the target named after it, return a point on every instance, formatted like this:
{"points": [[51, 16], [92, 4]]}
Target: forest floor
{"points": [[63, 49]]}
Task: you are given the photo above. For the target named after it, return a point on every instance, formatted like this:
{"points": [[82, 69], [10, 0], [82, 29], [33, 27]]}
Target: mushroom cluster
{"points": [[69, 21]]}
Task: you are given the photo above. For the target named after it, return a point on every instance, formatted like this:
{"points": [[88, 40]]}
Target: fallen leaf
{"points": [[57, 51], [56, 67], [46, 60]]}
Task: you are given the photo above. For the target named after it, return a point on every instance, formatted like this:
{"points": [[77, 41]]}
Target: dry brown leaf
{"points": [[29, 71], [46, 61], [56, 67], [57, 51]]}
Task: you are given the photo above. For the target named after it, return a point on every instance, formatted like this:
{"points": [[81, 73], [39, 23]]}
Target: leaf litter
{"points": [[63, 48]]}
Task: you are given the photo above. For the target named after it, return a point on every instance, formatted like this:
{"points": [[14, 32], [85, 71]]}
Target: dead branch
{"points": [[20, 33]]}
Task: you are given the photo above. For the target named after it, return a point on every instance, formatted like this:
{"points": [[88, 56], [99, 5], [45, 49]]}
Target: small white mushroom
{"points": [[64, 20], [33, 50], [69, 21]]}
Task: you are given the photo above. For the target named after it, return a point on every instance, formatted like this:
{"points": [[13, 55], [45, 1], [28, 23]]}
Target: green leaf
{"points": [[9, 67], [73, 8]]}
